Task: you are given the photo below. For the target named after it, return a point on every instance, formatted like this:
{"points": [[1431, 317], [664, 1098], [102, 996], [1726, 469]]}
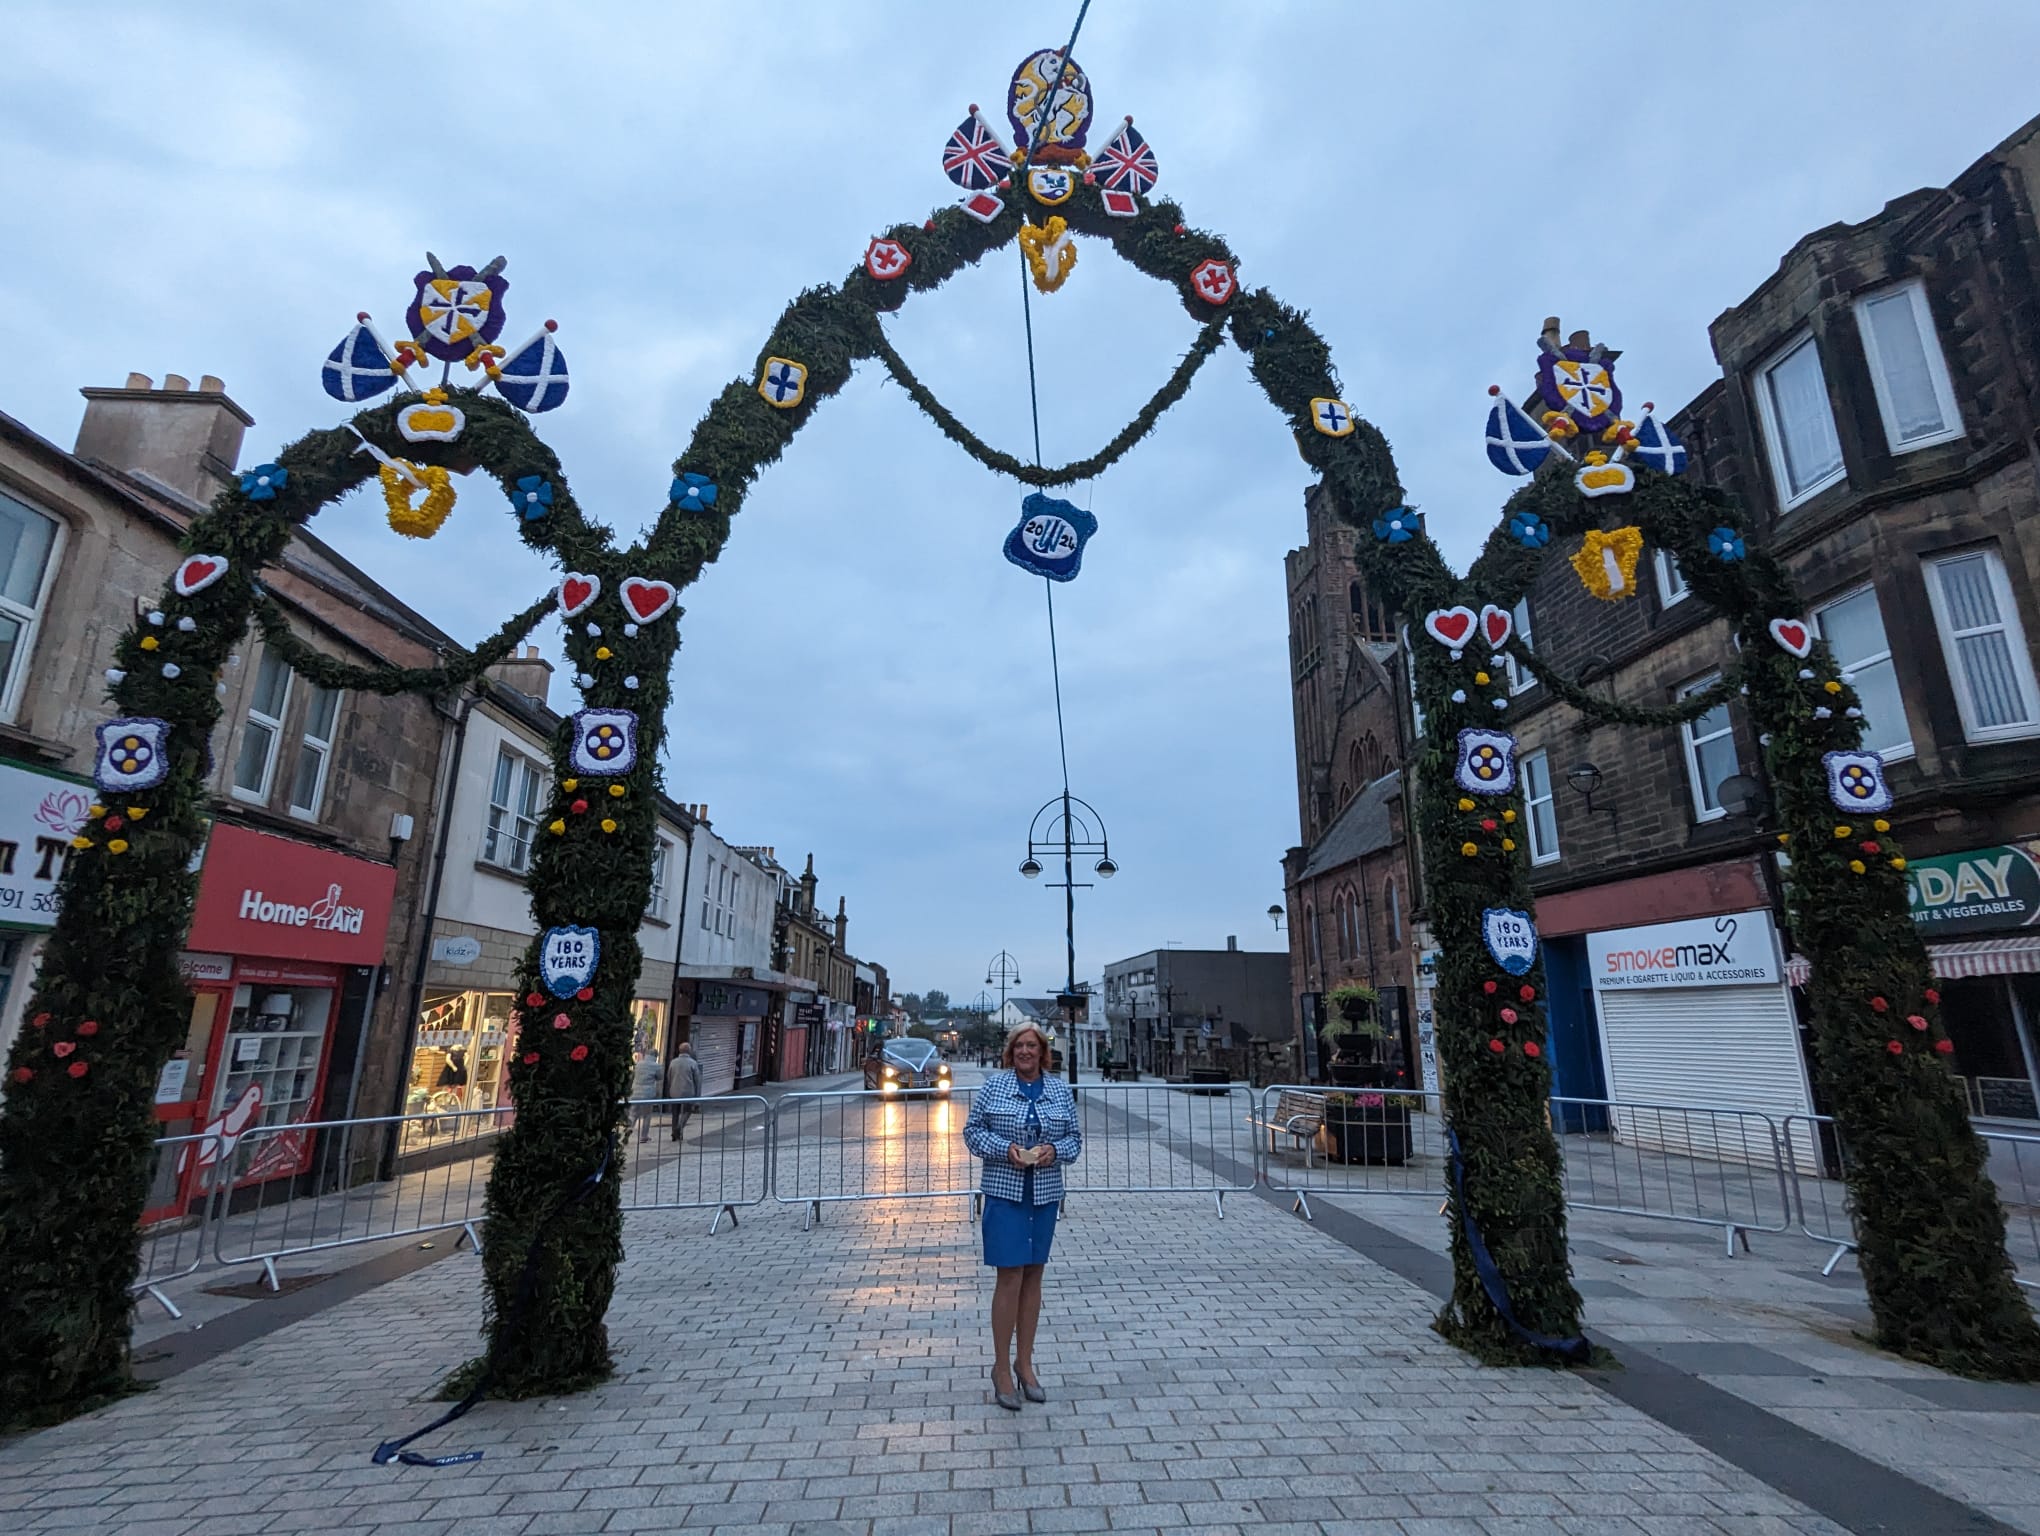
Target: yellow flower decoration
{"points": [[81, 841], [570, 784], [1508, 816], [1605, 562], [1898, 863], [100, 810], [1784, 839], [1881, 824], [1842, 831], [608, 824], [150, 642], [137, 812], [1481, 678], [1465, 804], [616, 791], [1832, 686], [1855, 866], [1469, 849], [1508, 845], [603, 653], [556, 828], [117, 845]]}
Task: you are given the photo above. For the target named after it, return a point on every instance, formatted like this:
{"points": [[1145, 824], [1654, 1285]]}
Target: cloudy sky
{"points": [[218, 188]]}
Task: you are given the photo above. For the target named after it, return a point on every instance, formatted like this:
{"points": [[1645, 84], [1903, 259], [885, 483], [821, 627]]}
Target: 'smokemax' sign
{"points": [[1736, 950]]}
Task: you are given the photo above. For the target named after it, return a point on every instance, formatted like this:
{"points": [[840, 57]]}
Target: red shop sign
{"points": [[275, 896]]}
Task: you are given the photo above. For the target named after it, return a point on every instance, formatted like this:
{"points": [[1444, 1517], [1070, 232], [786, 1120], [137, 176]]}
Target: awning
{"points": [[1951, 962]]}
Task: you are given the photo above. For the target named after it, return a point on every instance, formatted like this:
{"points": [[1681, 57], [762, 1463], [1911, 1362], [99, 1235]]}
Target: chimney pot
{"points": [[140, 381], [211, 384], [176, 381], [190, 444], [1232, 942]]}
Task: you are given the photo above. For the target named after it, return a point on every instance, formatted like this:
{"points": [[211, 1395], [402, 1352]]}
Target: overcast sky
{"points": [[218, 188]]}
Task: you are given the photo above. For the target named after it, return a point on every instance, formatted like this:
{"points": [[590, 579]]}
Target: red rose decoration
{"points": [[1916, 1021], [1508, 1015], [1945, 1047], [561, 1021], [1879, 1004], [1532, 1048], [1895, 1048], [1870, 845], [531, 1058], [78, 1068], [586, 994], [1528, 994], [1488, 987], [24, 1074], [64, 1048], [89, 1028], [1496, 1046], [1487, 824], [114, 823], [1179, 229], [580, 1052], [579, 807], [1931, 995], [534, 1000], [39, 1020]]}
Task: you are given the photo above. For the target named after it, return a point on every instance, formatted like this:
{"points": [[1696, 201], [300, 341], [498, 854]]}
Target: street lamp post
{"points": [[1002, 970], [1078, 828]]}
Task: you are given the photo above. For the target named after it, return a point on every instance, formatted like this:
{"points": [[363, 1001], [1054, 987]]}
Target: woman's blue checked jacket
{"points": [[998, 1119]]}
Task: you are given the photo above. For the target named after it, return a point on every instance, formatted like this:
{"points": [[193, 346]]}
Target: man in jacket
{"points": [[683, 1081], [644, 1086]]}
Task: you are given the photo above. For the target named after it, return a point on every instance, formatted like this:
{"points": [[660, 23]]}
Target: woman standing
{"points": [[1023, 1125]]}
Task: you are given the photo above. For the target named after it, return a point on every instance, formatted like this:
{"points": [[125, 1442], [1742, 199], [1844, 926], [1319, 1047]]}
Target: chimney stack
{"points": [[842, 927], [190, 439], [1232, 943], [527, 672]]}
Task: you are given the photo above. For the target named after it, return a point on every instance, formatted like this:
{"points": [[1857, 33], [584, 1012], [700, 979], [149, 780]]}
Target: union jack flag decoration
{"points": [[974, 158], [1127, 163]]}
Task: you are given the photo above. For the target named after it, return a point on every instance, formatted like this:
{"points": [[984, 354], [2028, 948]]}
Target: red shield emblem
{"points": [[886, 259], [1213, 281]]}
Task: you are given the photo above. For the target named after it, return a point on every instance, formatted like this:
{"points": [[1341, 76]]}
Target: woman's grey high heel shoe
{"points": [[1008, 1400], [1033, 1389]]}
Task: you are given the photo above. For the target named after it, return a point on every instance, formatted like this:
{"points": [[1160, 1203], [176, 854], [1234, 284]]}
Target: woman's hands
{"points": [[1044, 1155]]}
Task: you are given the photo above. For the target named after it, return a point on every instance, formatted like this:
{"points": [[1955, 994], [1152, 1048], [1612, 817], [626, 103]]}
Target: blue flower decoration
{"points": [[1530, 530], [1399, 526], [693, 493], [534, 497], [1726, 544], [263, 482]]}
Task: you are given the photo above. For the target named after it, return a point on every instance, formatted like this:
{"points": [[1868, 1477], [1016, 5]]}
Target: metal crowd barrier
{"points": [[852, 1144], [1378, 1142], [173, 1249], [1164, 1139], [698, 1154], [267, 1214]]}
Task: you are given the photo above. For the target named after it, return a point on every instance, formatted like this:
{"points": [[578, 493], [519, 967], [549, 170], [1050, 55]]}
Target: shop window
{"points": [[275, 1049], [648, 1028], [315, 750], [1986, 650], [28, 539], [662, 863], [1853, 627], [1799, 423], [1540, 808], [1710, 752], [255, 764], [1984, 1017], [1907, 369], [1520, 677], [513, 812], [1671, 581], [461, 1063]]}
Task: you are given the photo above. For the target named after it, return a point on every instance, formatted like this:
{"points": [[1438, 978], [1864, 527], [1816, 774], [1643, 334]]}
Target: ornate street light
{"points": [[1073, 827]]}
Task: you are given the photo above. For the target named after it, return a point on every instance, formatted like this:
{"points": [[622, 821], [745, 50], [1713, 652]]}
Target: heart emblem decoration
{"points": [[1496, 624], [1794, 635], [577, 592], [1451, 627], [197, 573], [647, 600]]}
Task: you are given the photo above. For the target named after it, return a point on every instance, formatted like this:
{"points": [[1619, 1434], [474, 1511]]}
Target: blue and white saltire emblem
{"points": [[1656, 447], [1334, 418], [535, 378], [567, 958], [1516, 445], [783, 384], [1051, 537], [357, 369], [1510, 937]]}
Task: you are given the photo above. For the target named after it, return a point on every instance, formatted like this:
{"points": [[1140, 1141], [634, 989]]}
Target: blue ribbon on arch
{"points": [[1576, 1349]]}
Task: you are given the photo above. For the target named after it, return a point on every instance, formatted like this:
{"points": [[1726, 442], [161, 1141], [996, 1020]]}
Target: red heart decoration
{"points": [[577, 592], [1451, 627], [64, 1048], [197, 573], [648, 600], [1793, 635], [1495, 624]]}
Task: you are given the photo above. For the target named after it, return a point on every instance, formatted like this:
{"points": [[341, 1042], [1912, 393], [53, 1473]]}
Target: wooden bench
{"points": [[1297, 1115]]}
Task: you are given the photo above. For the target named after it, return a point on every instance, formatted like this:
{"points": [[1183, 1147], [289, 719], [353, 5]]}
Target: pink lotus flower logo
{"points": [[64, 811]]}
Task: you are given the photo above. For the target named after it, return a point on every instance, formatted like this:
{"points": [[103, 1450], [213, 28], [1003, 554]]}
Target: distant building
{"points": [[1168, 1009]]}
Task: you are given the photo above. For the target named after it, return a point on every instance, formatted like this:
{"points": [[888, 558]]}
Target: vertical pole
{"points": [[1069, 941]]}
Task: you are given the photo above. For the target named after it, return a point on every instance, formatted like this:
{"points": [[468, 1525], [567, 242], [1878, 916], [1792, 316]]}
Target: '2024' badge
{"points": [[1051, 537]]}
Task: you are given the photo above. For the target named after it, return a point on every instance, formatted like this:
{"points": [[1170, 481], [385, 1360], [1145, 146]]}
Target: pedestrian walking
{"points": [[683, 1081], [1023, 1127], [644, 1088]]}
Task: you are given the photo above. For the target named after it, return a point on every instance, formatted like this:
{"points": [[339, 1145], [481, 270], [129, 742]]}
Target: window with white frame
{"points": [[708, 896], [513, 812], [1988, 661], [1710, 752], [1799, 423], [1520, 677], [1671, 581], [255, 764], [315, 751], [1540, 809], [1853, 627], [1914, 395], [28, 538], [662, 863]]}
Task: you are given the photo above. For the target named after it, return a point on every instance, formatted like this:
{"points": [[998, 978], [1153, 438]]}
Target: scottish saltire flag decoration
{"points": [[534, 377], [1127, 163], [1051, 537], [974, 158], [1516, 445], [357, 369], [1656, 447]]}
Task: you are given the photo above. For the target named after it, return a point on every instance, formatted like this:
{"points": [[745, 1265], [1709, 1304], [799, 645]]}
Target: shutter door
{"points": [[715, 1042], [1707, 1047]]}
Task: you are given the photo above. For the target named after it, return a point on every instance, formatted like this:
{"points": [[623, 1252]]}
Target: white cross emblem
{"points": [[886, 259], [784, 383], [1213, 280], [1334, 418]]}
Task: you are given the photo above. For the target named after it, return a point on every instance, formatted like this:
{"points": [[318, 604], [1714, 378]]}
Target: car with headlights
{"points": [[907, 1066]]}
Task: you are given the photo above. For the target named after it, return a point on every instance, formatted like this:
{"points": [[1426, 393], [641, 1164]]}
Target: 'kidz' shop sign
{"points": [[1737, 950]]}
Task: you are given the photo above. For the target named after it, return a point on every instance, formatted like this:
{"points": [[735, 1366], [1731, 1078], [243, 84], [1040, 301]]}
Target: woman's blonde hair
{"points": [[1006, 1056]]}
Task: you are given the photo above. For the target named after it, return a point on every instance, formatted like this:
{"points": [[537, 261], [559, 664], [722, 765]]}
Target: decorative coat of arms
{"points": [[1487, 762], [1856, 781], [1051, 537], [605, 742], [1580, 398]]}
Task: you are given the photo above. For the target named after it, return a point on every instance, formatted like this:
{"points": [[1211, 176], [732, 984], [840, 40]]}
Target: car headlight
{"points": [[943, 1069], [892, 1071]]}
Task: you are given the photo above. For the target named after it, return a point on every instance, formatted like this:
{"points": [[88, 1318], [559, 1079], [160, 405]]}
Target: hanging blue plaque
{"points": [[1051, 536]]}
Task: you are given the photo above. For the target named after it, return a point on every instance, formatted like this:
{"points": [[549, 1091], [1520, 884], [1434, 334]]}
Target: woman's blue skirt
{"points": [[1017, 1234]]}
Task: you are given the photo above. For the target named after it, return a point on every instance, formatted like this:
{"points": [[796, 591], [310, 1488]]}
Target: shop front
{"points": [[727, 1028], [40, 812], [285, 942]]}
